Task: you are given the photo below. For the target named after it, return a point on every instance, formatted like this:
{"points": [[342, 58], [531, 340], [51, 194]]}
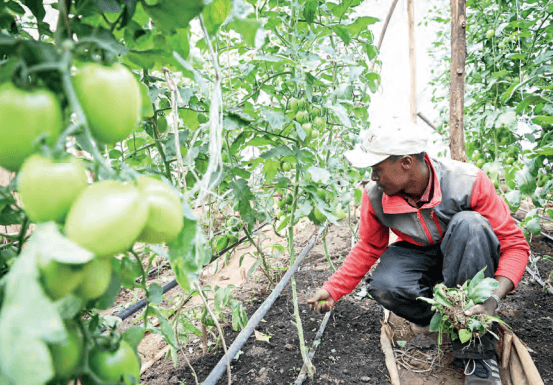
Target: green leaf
{"points": [[435, 322], [513, 199], [479, 277], [341, 113], [215, 14], [54, 246], [251, 31], [133, 335], [187, 253], [533, 225], [276, 119], [360, 25], [310, 11], [525, 181], [28, 320], [342, 33], [166, 329], [190, 119], [319, 174], [173, 14], [154, 293], [130, 270], [543, 120], [465, 335]]}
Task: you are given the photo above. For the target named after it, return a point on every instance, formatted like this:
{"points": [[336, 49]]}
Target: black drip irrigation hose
{"points": [[124, 314], [258, 315], [303, 373]]}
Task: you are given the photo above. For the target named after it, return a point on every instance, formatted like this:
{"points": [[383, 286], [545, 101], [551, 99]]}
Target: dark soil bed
{"points": [[350, 351]]}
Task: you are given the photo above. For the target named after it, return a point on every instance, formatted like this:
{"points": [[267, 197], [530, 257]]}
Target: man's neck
{"points": [[420, 183]]}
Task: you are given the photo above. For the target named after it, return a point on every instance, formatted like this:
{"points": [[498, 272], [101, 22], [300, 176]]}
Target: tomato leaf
{"points": [[465, 335], [215, 14], [133, 335]]}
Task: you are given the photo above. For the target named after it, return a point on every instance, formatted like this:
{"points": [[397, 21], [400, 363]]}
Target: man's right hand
{"points": [[321, 301]]}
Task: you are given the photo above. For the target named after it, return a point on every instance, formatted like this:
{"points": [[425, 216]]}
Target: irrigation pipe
{"points": [[303, 373], [258, 315], [124, 314]]}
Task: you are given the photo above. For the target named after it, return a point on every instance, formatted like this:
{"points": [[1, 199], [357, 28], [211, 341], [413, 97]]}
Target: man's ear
{"points": [[407, 162]]}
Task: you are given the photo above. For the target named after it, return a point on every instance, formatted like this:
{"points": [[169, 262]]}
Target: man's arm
{"points": [[373, 240], [514, 248]]}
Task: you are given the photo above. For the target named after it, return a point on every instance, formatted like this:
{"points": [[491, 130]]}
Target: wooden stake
{"points": [[412, 60], [385, 26], [389, 354], [457, 83]]}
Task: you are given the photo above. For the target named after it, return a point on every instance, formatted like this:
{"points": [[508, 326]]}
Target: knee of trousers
{"points": [[469, 220], [386, 290]]}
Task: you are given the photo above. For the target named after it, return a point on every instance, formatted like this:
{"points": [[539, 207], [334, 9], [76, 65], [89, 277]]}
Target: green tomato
{"points": [[302, 116], [48, 188], [315, 134], [286, 166], [510, 160], [295, 105], [165, 219], [111, 366], [96, 278], [490, 33], [107, 217], [319, 123], [308, 129], [68, 355], [480, 163], [26, 116], [59, 279], [316, 111], [321, 194], [110, 98]]}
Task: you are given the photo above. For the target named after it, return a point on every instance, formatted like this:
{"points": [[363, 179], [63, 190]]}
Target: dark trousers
{"points": [[408, 271]]}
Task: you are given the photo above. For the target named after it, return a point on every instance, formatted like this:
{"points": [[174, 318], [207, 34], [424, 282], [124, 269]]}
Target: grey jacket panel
{"points": [[456, 185]]}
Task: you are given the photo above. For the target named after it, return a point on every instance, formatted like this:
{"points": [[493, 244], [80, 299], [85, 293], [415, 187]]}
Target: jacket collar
{"points": [[398, 205]]}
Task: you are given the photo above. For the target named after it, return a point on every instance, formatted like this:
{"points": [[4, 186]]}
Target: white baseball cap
{"points": [[393, 136]]}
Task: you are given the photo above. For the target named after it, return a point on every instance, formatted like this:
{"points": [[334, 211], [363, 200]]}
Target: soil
{"points": [[350, 351]]}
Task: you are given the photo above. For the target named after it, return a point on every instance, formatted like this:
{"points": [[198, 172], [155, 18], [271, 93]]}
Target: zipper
{"points": [[424, 227], [433, 215]]}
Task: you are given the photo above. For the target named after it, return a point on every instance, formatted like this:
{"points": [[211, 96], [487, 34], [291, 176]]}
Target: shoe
{"points": [[482, 372]]}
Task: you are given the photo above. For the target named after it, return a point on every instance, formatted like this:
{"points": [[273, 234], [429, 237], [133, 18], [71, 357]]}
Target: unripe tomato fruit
{"points": [[315, 134], [25, 116], [286, 166], [110, 366], [107, 217], [302, 116], [110, 98], [316, 111], [96, 278], [164, 221], [319, 123], [68, 356], [295, 105], [59, 279], [490, 33], [48, 187], [308, 128]]}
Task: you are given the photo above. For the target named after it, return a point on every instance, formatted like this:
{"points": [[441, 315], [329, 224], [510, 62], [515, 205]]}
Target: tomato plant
{"points": [[27, 115], [48, 187]]}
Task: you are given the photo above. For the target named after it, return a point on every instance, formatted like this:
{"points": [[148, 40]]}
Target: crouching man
{"points": [[450, 224]]}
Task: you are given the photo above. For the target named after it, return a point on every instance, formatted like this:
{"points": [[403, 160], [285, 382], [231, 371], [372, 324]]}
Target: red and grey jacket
{"points": [[458, 187]]}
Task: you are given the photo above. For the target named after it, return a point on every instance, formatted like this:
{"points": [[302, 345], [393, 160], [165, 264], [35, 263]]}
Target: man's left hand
{"points": [[488, 307]]}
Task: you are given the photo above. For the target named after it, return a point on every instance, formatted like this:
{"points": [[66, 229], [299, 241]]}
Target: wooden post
{"points": [[457, 84], [384, 27], [412, 60]]}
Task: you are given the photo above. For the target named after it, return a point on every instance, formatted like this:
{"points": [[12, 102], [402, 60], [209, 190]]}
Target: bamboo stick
{"points": [[412, 60]]}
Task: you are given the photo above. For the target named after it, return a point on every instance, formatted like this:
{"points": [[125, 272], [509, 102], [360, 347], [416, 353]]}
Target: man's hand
{"points": [[321, 301], [488, 307]]}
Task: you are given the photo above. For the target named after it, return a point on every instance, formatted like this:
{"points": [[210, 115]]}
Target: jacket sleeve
{"points": [[373, 240], [514, 248]]}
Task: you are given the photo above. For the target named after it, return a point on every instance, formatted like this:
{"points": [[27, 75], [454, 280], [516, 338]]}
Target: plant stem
{"points": [[266, 267], [326, 252], [303, 348], [218, 328], [145, 288], [24, 226]]}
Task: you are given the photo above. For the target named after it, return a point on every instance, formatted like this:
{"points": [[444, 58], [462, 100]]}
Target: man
{"points": [[450, 224]]}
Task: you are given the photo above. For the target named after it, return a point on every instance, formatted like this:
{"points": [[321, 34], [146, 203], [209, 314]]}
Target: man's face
{"points": [[390, 177]]}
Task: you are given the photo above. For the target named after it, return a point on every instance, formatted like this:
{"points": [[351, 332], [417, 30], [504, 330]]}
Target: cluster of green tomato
{"points": [[311, 117], [106, 217], [109, 96]]}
